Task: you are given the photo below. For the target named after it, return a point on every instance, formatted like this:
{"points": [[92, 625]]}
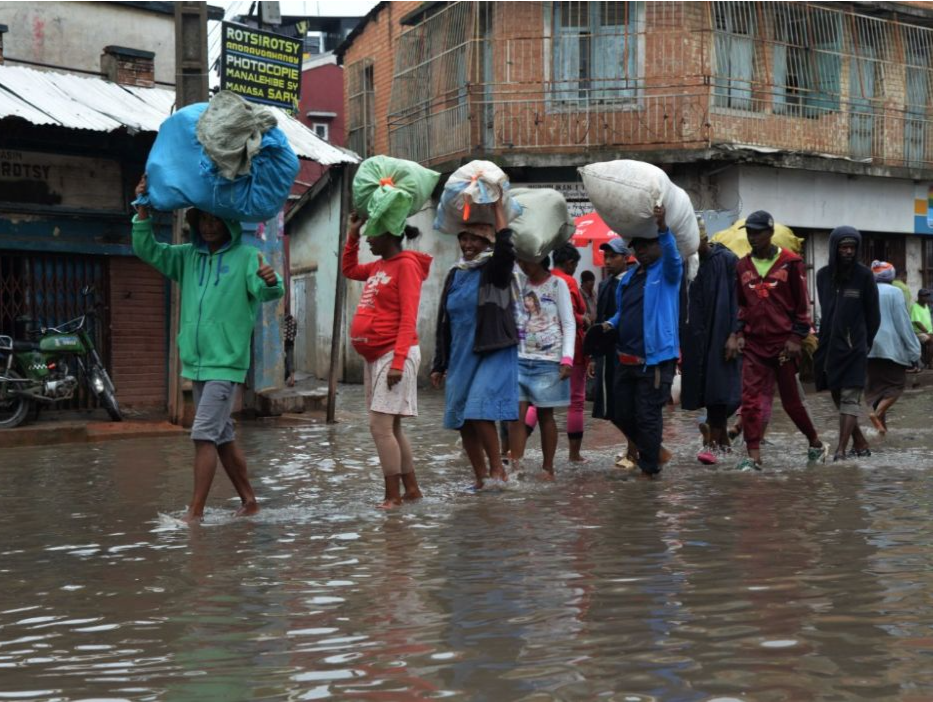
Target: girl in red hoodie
{"points": [[384, 333]]}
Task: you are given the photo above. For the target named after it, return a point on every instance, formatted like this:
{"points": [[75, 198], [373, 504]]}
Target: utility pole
{"points": [[191, 86], [340, 292]]}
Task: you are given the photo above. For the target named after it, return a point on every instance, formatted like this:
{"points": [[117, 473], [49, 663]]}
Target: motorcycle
{"points": [[37, 372]]}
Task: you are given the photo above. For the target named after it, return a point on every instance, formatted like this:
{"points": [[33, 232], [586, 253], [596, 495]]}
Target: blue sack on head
{"points": [[181, 174]]}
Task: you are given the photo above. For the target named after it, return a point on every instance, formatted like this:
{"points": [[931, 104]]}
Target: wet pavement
{"points": [[793, 584]]}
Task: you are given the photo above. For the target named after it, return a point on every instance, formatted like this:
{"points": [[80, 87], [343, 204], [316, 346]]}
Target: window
{"points": [[594, 54], [361, 119], [807, 60], [865, 85], [734, 54], [917, 144], [322, 130]]}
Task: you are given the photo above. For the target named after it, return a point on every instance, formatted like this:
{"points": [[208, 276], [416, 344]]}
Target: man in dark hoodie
{"points": [[848, 298], [774, 319], [222, 283]]}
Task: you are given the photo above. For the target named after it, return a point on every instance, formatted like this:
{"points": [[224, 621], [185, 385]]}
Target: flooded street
{"points": [[793, 584]]}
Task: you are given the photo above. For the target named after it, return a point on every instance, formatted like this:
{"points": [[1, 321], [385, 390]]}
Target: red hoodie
{"points": [[387, 315], [579, 310], [773, 308]]}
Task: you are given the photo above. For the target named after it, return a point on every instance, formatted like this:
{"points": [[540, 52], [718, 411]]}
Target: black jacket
{"points": [[712, 314], [850, 319], [605, 364], [495, 306]]}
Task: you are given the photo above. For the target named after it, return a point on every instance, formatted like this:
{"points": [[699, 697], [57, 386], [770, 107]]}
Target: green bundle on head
{"points": [[387, 191]]}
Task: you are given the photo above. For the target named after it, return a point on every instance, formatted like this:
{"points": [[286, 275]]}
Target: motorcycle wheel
{"points": [[13, 410], [109, 403]]}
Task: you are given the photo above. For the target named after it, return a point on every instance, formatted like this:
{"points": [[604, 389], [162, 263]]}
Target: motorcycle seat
{"points": [[25, 345]]}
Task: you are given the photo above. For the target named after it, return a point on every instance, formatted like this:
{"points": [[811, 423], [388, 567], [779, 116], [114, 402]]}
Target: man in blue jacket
{"points": [[647, 318]]}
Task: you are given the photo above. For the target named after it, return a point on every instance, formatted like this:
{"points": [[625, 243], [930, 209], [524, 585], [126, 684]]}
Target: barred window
{"points": [[595, 50], [361, 118]]}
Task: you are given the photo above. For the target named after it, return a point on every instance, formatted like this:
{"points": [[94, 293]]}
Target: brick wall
{"points": [[376, 41], [128, 66], [514, 113], [138, 333]]}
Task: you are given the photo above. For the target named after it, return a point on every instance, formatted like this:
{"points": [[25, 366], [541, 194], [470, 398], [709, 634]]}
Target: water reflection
{"points": [[797, 584]]}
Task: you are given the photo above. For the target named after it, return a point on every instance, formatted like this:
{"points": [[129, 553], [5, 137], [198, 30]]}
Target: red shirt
{"points": [[774, 307], [579, 310], [387, 315]]}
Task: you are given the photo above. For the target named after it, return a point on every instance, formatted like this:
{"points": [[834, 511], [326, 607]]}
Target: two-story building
{"points": [[817, 112]]}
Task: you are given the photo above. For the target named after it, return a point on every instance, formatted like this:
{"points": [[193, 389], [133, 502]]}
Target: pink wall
{"points": [[321, 91]]}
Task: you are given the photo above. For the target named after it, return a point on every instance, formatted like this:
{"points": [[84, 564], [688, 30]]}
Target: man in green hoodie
{"points": [[222, 284]]}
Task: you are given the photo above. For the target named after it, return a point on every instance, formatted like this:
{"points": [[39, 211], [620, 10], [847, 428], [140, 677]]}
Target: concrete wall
{"points": [[313, 236], [74, 34], [826, 200]]}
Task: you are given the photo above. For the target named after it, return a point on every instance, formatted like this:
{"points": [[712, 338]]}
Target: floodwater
{"points": [[793, 584]]}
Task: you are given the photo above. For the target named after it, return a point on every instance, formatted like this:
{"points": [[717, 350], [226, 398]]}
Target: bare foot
{"points": [[578, 459], [664, 455], [546, 476], [291, 382], [499, 475], [878, 423], [412, 496], [247, 510], [390, 504], [191, 519]]}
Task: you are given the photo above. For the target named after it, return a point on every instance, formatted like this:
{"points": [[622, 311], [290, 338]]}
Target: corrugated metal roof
{"points": [[76, 102]]}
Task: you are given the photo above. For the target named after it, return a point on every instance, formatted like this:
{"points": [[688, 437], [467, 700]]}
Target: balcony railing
{"points": [[684, 76]]}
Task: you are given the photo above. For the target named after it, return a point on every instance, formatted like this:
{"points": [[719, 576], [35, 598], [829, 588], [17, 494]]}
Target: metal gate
{"points": [[47, 288], [304, 310]]}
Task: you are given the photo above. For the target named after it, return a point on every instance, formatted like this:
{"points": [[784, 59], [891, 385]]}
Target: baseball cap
{"points": [[615, 246], [759, 220], [925, 292]]}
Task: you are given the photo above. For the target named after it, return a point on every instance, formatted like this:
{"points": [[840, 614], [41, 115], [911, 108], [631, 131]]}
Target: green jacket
{"points": [[220, 295]]}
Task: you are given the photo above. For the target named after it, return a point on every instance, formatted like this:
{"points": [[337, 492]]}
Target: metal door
{"points": [[304, 311]]}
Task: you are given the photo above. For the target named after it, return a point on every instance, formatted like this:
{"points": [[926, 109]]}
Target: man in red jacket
{"points": [[773, 320]]}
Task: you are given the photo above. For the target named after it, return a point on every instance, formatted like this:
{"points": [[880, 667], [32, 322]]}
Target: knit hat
{"points": [[484, 231], [884, 271]]}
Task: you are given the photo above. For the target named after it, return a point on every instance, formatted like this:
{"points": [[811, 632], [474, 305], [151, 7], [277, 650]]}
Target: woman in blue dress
{"points": [[476, 349]]}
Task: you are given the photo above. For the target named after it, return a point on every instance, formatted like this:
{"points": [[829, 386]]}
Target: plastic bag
{"points": [[230, 130], [476, 183], [625, 194], [736, 239], [387, 191], [181, 174], [543, 225]]}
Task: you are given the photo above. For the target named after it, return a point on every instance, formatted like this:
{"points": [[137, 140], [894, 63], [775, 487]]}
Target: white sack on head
{"points": [[467, 193], [625, 193]]}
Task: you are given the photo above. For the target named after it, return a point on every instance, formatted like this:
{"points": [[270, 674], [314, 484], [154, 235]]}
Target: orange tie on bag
{"points": [[466, 199]]}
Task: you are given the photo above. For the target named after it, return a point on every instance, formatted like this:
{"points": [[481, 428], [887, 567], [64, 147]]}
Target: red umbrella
{"points": [[591, 228]]}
